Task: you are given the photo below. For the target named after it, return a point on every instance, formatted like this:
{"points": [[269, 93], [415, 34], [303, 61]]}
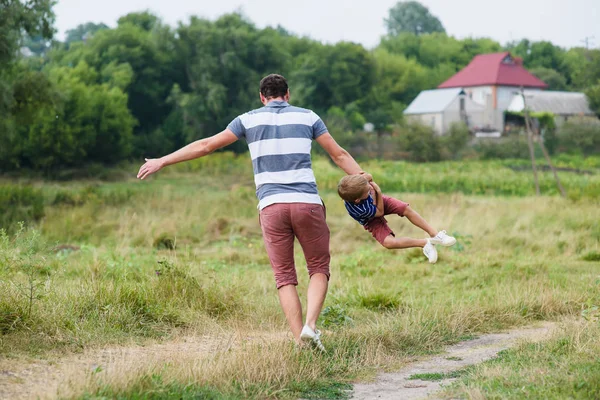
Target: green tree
{"points": [[62, 118], [34, 17], [83, 32], [554, 79], [37, 44], [593, 95], [144, 20], [144, 62], [398, 81], [539, 54], [413, 17], [334, 76], [18, 20], [223, 62], [582, 66], [443, 54]]}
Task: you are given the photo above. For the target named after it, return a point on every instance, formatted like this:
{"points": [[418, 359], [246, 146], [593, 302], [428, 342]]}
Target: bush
{"points": [[20, 203], [580, 135], [456, 140], [419, 142], [510, 147]]}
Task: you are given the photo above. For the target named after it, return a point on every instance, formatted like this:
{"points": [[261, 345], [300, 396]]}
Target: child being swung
{"points": [[367, 205]]}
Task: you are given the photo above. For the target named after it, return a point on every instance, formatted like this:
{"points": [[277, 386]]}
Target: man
{"points": [[279, 138]]}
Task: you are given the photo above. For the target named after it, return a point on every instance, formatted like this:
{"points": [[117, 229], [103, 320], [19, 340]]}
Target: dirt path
{"points": [[397, 385], [49, 379], [45, 379]]}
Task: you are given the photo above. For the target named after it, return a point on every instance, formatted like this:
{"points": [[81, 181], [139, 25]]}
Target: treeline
{"points": [[145, 88]]}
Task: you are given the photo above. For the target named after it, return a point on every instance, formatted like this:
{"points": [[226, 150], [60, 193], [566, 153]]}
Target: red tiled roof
{"points": [[489, 69]]}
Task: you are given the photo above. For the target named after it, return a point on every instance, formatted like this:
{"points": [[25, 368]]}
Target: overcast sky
{"points": [[562, 22]]}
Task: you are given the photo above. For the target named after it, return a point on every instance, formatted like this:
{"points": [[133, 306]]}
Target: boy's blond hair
{"points": [[352, 187]]}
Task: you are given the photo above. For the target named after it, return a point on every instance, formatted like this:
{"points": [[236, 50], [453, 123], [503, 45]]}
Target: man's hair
{"points": [[273, 85], [352, 187]]}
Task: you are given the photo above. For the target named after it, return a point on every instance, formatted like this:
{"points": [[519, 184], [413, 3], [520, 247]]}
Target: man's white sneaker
{"points": [[443, 239], [430, 252], [313, 336]]}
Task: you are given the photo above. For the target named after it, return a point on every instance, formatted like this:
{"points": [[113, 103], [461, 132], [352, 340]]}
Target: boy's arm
{"points": [[378, 200]]}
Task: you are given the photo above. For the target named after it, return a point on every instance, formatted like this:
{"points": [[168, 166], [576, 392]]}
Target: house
{"points": [[562, 104], [439, 108], [491, 81]]}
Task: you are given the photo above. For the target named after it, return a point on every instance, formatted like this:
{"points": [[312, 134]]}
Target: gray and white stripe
{"points": [[279, 138]]}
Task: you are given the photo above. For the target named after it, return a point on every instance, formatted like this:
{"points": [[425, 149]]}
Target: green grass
{"points": [[121, 262], [439, 376], [153, 388], [564, 367]]}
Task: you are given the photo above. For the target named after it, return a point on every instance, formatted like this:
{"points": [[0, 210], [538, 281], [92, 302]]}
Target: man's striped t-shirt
{"points": [[363, 212], [280, 137]]}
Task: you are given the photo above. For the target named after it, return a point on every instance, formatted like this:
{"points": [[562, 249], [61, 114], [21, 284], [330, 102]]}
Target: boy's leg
{"points": [[395, 206], [384, 235], [391, 242], [419, 221]]}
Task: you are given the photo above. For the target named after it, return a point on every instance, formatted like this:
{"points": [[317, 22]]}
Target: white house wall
{"points": [[475, 114], [433, 120]]}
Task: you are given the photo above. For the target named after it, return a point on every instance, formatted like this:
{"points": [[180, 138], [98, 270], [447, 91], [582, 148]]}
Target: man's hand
{"points": [[375, 186], [151, 166], [378, 199], [367, 176]]}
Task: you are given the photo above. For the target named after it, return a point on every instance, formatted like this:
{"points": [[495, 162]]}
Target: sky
{"points": [[564, 23]]}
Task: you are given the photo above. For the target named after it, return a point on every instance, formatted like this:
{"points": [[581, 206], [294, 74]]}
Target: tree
{"points": [[38, 45], [144, 20], [554, 79], [398, 81], [593, 95], [582, 66], [539, 55], [334, 76], [143, 61], [83, 32], [413, 17], [34, 17]]}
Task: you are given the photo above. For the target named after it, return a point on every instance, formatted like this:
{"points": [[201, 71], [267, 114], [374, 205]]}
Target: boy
{"points": [[366, 204]]}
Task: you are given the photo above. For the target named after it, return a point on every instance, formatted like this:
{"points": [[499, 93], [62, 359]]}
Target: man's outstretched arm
{"points": [[340, 156], [197, 149]]}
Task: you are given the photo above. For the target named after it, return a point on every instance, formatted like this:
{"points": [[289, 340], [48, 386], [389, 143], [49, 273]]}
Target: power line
{"points": [[588, 41]]}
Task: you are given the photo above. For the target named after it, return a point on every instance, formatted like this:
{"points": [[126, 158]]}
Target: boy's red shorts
{"points": [[378, 226]]}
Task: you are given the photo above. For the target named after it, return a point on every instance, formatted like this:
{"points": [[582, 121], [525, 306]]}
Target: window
{"points": [[508, 60]]}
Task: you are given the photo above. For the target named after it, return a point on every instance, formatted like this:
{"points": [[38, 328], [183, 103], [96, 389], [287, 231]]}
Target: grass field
{"points": [[181, 254]]}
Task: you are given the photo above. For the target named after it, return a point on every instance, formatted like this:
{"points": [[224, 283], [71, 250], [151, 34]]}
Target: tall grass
{"points": [[101, 276]]}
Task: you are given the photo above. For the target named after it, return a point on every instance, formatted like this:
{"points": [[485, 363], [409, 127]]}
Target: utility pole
{"points": [[586, 41], [530, 143], [540, 141]]}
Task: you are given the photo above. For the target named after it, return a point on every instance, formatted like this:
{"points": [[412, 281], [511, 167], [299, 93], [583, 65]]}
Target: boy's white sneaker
{"points": [[443, 239], [312, 336], [430, 252]]}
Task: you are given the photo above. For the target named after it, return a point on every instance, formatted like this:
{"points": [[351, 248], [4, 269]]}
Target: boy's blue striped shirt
{"points": [[363, 212]]}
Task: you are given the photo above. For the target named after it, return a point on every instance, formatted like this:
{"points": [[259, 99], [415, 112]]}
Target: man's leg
{"points": [[317, 291], [313, 234], [278, 235], [292, 308], [418, 221]]}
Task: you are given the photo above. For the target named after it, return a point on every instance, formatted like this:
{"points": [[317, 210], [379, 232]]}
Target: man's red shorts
{"points": [[378, 226], [281, 223]]}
